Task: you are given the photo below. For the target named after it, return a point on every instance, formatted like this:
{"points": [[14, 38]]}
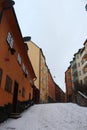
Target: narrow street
{"points": [[61, 116]]}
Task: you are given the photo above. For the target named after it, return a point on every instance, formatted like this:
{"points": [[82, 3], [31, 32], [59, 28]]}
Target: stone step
{"points": [[15, 115]]}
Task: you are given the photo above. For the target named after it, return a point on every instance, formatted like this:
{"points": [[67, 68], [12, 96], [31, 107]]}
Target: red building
{"points": [[68, 81], [55, 93], [16, 72], [51, 88], [59, 94]]}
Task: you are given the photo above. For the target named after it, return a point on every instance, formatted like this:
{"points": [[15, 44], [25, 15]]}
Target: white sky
{"points": [[59, 27]]}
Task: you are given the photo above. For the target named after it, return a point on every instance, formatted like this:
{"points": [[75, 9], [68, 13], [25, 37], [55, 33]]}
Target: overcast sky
{"points": [[59, 27]]}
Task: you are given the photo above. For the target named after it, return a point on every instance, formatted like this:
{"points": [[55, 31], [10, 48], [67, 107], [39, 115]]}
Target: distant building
{"points": [[44, 79], [59, 94], [76, 68], [78, 74], [16, 70], [51, 88], [55, 93], [68, 82], [84, 62]]}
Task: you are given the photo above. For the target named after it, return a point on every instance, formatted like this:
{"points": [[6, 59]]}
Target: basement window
{"points": [[8, 84]]}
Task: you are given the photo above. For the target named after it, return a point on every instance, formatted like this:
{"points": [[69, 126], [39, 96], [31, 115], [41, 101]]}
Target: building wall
{"points": [[68, 82], [79, 67], [79, 61], [59, 94], [51, 87], [40, 68], [84, 62], [9, 63], [43, 80], [34, 55]]}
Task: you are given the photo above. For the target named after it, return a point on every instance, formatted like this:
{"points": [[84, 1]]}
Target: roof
{"points": [[27, 38], [85, 42]]}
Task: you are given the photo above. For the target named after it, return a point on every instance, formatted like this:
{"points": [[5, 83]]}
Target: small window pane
{"points": [[19, 58], [26, 73], [23, 67], [23, 92], [10, 40], [8, 84]]}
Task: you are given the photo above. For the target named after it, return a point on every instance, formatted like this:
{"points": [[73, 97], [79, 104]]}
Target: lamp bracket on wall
{"points": [[12, 51]]}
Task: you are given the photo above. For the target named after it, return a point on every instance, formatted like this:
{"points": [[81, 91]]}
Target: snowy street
{"points": [[60, 116]]}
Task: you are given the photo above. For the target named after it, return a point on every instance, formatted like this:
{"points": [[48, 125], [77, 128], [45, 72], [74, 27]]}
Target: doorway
{"points": [[15, 97]]}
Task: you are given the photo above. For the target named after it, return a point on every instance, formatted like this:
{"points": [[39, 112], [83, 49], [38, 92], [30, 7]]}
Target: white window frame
{"points": [[19, 58], [23, 67], [10, 40], [26, 72]]}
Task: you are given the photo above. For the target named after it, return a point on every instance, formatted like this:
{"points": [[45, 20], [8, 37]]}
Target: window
{"points": [[82, 61], [26, 73], [23, 67], [79, 72], [19, 58], [0, 75], [8, 84], [23, 92], [81, 82], [77, 56], [10, 40], [29, 96], [78, 64]]}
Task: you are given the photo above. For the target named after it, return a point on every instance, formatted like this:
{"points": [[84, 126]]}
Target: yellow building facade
{"points": [[40, 68], [44, 79]]}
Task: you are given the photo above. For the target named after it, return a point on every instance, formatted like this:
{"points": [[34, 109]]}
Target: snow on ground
{"points": [[60, 116]]}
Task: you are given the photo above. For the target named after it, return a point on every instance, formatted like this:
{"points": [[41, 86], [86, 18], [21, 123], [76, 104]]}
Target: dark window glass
{"points": [[8, 84], [0, 75], [23, 92], [29, 96]]}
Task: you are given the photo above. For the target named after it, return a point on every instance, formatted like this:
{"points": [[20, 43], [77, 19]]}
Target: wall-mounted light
{"points": [[25, 75], [12, 51]]}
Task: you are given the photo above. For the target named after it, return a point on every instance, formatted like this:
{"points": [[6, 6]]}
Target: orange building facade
{"points": [[16, 72]]}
